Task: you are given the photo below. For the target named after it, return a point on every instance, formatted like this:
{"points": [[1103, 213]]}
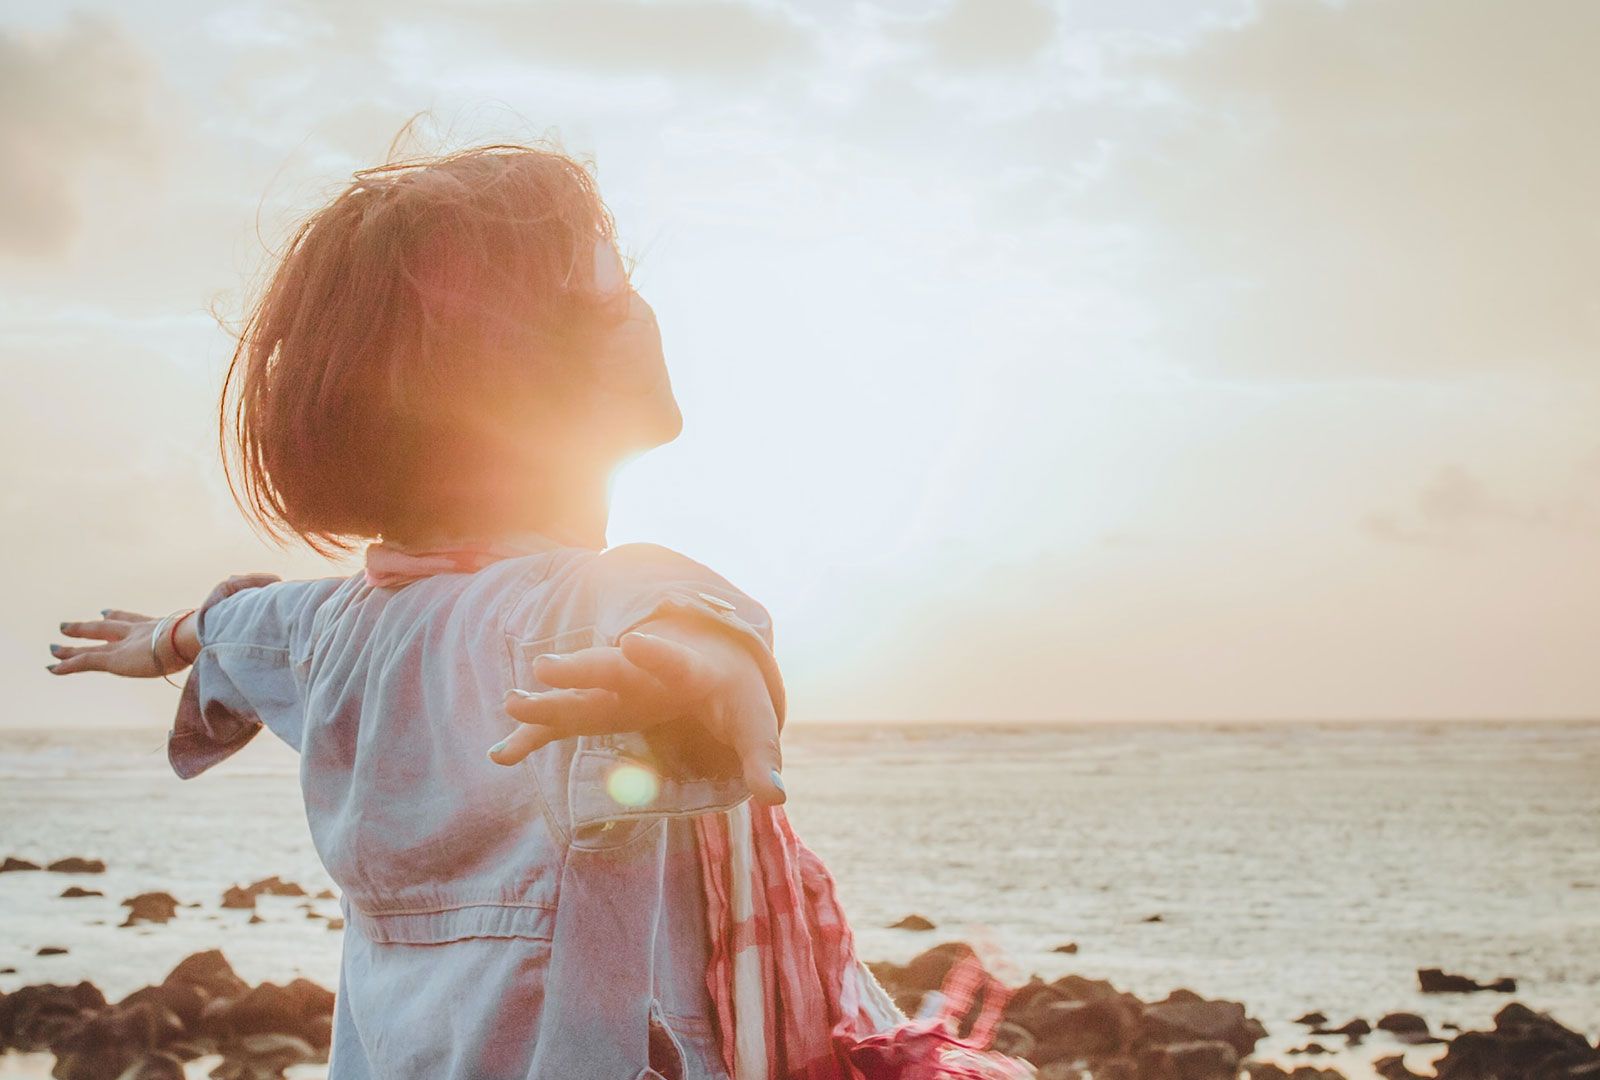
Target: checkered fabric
{"points": [[791, 999]]}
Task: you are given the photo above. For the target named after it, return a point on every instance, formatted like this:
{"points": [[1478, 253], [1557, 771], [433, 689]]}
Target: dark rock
{"points": [[211, 972], [275, 886], [1082, 1029], [913, 922], [1265, 1070], [1203, 1060], [1407, 1027], [1309, 1072], [1116, 1069], [1394, 1067], [114, 1040], [327, 894], [302, 1009], [335, 924], [76, 865], [51, 950], [7, 971], [927, 970], [1015, 1040], [1154, 918], [254, 919], [1070, 948], [1313, 1019], [1434, 981], [262, 1057], [13, 864], [33, 1017], [1524, 1044], [156, 907], [1400, 1023], [1311, 1048], [182, 1000], [1184, 1017], [1355, 1029], [236, 897], [1078, 988], [156, 1067], [73, 892]]}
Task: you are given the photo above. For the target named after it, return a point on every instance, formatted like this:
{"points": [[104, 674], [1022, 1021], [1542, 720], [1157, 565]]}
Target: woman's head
{"points": [[438, 345]]}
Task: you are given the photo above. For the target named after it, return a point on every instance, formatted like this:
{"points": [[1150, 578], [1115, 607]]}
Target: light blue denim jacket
{"points": [[501, 922]]}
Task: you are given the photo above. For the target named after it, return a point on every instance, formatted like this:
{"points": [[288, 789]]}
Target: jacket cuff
{"points": [[204, 734]]}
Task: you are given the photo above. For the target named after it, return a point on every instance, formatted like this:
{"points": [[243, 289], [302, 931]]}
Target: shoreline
{"points": [[203, 1019]]}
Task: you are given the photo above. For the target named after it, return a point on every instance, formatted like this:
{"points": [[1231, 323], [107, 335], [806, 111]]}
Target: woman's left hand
{"points": [[651, 679]]}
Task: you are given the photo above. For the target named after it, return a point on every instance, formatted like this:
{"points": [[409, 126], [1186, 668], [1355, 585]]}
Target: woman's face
{"points": [[632, 406]]}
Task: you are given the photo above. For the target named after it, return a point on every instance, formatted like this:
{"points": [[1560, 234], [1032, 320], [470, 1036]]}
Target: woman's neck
{"points": [[573, 515]]}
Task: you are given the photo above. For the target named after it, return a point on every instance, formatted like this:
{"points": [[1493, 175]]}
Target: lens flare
{"points": [[632, 785]]}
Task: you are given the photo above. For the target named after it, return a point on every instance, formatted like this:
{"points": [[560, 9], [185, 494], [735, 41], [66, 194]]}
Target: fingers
{"points": [[677, 666], [82, 658], [754, 737], [599, 668], [99, 629], [557, 714], [520, 743], [118, 615]]}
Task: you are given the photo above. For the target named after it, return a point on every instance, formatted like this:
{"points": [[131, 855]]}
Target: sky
{"points": [[1040, 360]]}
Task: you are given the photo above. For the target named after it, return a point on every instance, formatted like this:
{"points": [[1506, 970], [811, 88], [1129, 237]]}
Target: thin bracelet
{"points": [[156, 636], [172, 637]]}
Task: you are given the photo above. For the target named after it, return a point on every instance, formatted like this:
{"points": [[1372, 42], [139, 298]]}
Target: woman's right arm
{"points": [[136, 646]]}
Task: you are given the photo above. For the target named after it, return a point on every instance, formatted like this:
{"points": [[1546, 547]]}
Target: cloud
{"points": [[717, 39], [1373, 189], [991, 33], [1454, 504], [69, 100]]}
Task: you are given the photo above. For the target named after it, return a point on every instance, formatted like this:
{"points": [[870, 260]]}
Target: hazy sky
{"points": [[1116, 359]]}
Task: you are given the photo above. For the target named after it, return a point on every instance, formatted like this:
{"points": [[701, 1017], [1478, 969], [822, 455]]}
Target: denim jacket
{"points": [[542, 920]]}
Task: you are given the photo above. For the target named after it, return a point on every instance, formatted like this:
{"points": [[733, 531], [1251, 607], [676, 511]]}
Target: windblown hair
{"points": [[403, 335]]}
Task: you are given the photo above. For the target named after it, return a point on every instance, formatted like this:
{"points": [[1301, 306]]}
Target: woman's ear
{"points": [[609, 274]]}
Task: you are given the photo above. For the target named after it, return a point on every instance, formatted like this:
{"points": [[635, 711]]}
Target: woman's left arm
{"points": [[668, 671]]}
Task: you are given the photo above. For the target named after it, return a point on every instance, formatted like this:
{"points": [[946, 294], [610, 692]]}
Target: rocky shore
{"points": [[1073, 1028], [1086, 1029]]}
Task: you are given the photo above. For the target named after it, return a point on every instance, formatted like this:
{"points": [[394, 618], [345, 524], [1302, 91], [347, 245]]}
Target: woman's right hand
{"points": [[125, 648]]}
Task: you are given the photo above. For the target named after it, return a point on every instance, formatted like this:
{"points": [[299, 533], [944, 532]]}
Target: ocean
{"points": [[1293, 866]]}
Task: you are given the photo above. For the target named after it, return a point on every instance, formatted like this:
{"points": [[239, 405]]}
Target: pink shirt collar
{"points": [[388, 564]]}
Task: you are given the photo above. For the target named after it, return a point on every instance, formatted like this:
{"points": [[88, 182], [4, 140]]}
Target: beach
{"points": [[1290, 867]]}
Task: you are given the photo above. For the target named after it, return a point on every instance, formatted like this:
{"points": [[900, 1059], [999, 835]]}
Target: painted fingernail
{"points": [[104, 612], [518, 692], [55, 650], [777, 781], [63, 628], [497, 748], [51, 668]]}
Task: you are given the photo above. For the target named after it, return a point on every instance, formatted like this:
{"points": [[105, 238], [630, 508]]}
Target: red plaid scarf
{"points": [[792, 1000]]}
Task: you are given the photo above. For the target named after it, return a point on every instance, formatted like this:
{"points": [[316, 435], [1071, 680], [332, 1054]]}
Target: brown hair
{"points": [[402, 337]]}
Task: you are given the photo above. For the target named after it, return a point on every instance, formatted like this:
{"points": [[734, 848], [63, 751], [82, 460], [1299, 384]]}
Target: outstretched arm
{"points": [[139, 646], [671, 670]]}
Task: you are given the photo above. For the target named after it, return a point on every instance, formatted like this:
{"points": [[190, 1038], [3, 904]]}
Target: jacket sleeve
{"points": [[640, 582], [253, 630], [691, 773]]}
